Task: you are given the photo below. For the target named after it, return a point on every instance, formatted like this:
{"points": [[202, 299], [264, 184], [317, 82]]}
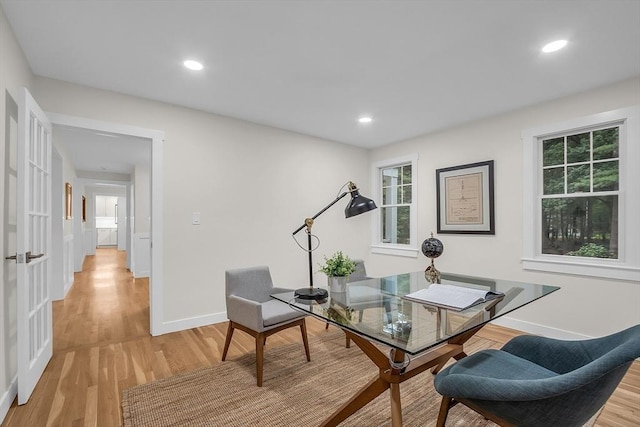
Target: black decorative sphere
{"points": [[432, 247]]}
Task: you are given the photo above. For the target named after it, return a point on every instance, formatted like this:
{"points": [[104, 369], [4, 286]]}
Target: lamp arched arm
{"points": [[306, 222]]}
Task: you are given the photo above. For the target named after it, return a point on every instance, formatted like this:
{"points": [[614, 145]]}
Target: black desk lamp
{"points": [[357, 205]]}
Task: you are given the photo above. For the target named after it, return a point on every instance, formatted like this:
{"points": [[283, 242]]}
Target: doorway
{"points": [[106, 219], [152, 178]]}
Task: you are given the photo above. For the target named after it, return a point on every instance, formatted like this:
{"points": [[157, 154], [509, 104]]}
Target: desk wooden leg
{"points": [[438, 368], [389, 377], [373, 389], [396, 406]]}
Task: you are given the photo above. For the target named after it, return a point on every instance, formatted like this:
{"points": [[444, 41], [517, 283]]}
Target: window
{"points": [[581, 196], [580, 186], [396, 204], [395, 221]]}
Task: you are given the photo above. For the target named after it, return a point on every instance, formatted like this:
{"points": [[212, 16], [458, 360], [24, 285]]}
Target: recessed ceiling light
{"points": [[193, 65], [365, 119], [554, 46]]}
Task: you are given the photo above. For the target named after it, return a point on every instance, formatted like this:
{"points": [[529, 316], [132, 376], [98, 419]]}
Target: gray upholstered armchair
{"points": [[251, 309], [360, 296], [536, 381]]}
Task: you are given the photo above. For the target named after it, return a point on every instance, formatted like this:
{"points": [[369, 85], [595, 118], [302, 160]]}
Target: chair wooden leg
{"points": [[445, 405], [260, 338], [227, 340], [303, 330], [326, 325], [347, 342]]}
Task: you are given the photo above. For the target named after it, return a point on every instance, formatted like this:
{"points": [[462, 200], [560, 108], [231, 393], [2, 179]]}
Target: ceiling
{"points": [[102, 152], [314, 67]]}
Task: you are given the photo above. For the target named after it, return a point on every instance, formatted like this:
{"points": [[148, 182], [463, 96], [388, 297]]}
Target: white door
{"points": [[35, 336]]}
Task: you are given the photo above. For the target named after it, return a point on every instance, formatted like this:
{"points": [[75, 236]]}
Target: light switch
{"points": [[195, 218]]}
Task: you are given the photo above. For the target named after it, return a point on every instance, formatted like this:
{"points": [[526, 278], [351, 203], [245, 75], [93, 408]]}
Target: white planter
{"points": [[337, 283]]}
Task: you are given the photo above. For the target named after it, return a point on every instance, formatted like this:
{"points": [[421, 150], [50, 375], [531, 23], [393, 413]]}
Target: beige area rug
{"points": [[295, 392]]}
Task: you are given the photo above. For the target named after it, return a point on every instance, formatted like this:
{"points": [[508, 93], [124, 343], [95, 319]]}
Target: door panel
{"points": [[35, 337], [9, 333]]}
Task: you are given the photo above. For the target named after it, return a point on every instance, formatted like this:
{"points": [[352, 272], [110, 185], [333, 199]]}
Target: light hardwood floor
{"points": [[102, 346]]}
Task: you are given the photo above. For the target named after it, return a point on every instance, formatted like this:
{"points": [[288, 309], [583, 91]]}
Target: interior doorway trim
{"points": [[156, 324]]}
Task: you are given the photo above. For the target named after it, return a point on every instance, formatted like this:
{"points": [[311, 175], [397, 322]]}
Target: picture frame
{"points": [[465, 199], [84, 209], [68, 211]]}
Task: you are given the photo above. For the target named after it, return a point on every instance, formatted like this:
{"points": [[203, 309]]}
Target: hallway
{"points": [[104, 306]]}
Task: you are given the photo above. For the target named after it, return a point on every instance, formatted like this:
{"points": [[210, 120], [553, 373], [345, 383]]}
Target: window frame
{"points": [[377, 245], [627, 266]]}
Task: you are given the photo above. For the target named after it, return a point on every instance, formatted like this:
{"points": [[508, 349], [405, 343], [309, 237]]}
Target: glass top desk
{"points": [[420, 336]]}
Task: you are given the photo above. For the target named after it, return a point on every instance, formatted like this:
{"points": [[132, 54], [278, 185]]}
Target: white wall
{"points": [[14, 73], [122, 223], [584, 305], [68, 175], [142, 205], [252, 184], [141, 223], [73, 228], [58, 255]]}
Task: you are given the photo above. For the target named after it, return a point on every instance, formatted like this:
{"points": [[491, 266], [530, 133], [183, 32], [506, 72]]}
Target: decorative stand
{"points": [[432, 274], [432, 248]]}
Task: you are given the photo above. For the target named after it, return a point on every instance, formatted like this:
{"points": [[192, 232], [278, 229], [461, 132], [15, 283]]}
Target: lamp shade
{"points": [[358, 204]]}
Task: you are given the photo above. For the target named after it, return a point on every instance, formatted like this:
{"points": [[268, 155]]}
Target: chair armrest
{"points": [[503, 390], [481, 378], [245, 312], [278, 290], [544, 352]]}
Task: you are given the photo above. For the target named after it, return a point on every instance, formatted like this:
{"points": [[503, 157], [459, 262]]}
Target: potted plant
{"points": [[338, 268]]}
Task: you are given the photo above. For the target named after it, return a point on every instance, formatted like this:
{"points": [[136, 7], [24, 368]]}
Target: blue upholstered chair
{"points": [[251, 309], [536, 381]]}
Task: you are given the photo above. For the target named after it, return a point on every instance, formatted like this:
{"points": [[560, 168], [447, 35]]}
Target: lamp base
{"points": [[311, 293]]}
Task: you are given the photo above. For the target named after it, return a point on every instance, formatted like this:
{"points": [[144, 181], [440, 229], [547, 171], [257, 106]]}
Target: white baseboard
{"points": [[536, 329], [7, 398], [142, 274], [193, 322]]}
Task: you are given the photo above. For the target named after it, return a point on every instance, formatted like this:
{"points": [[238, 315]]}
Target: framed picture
{"points": [[67, 202], [84, 209], [465, 199]]}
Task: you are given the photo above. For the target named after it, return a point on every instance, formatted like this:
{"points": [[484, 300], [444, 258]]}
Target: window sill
{"points": [[618, 271], [404, 251]]}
